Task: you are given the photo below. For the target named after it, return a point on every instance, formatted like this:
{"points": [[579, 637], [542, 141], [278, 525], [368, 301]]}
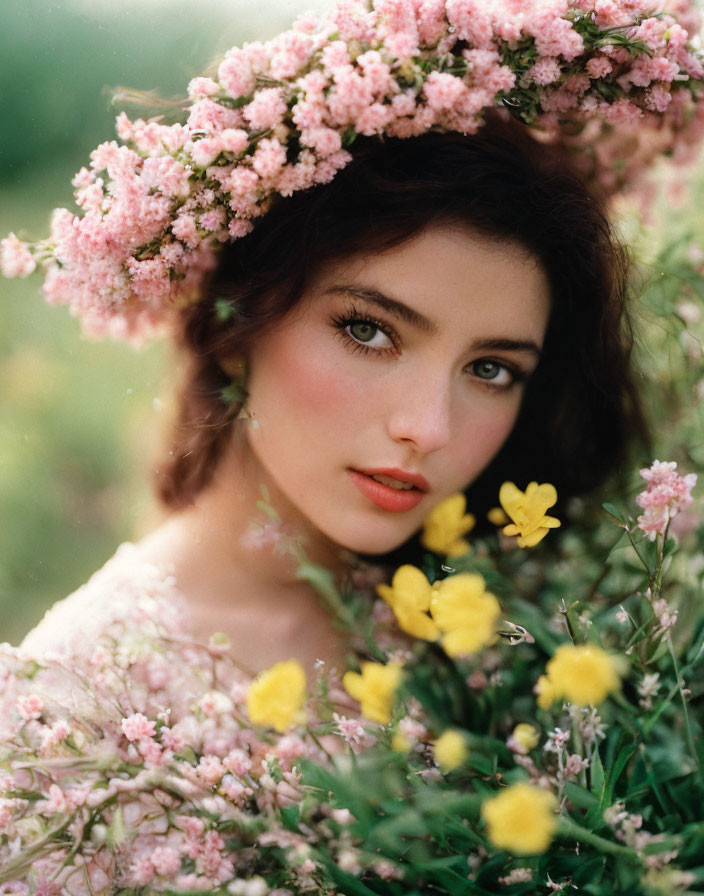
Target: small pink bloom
{"points": [[545, 71], [210, 769], [599, 67], [200, 87], [137, 726], [30, 706], [266, 110], [235, 74], [443, 90], [269, 158], [166, 861], [15, 258], [234, 140]]}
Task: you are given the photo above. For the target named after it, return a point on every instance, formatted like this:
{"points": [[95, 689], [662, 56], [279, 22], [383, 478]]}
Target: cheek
{"points": [[482, 437], [301, 381]]}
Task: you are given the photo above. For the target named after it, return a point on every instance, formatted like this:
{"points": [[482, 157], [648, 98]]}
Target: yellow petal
{"points": [[375, 688], [511, 498], [276, 696], [418, 625], [460, 601], [463, 641], [410, 588], [497, 516], [450, 750], [521, 819], [446, 524]]}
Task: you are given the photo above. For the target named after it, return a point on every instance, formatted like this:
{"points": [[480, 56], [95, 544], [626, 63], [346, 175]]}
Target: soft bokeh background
{"points": [[78, 420]]}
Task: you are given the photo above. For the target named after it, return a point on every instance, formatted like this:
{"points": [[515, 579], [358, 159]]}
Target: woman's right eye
{"points": [[368, 334]]}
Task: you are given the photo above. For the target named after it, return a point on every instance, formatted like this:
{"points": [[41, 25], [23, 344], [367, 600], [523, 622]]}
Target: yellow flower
{"points": [[409, 597], [583, 674], [546, 692], [450, 750], [276, 696], [400, 743], [521, 819], [497, 516], [375, 688], [526, 736], [465, 613], [527, 510], [445, 526]]}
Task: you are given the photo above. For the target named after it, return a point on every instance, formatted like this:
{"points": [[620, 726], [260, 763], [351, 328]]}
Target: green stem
{"points": [[685, 708], [25, 860], [570, 830]]}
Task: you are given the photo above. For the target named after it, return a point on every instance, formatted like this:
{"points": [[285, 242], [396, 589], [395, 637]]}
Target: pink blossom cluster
{"points": [[280, 116], [667, 493], [113, 746]]}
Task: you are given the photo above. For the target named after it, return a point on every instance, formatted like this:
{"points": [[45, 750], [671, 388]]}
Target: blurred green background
{"points": [[78, 420]]}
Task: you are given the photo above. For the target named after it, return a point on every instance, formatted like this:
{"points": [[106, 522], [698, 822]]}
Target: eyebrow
{"points": [[418, 320]]}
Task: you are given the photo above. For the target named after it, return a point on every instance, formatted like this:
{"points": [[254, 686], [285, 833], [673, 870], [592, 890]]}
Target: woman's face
{"points": [[394, 382]]}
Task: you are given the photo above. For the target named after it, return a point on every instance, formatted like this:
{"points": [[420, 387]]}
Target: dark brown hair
{"points": [[581, 409]]}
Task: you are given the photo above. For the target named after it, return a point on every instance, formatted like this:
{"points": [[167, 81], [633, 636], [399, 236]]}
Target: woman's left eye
{"points": [[493, 372]]}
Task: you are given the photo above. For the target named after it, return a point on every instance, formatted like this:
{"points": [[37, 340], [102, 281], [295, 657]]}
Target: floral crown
{"points": [[619, 81]]}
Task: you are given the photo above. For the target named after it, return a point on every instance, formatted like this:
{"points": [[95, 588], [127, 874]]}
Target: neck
{"points": [[236, 554]]}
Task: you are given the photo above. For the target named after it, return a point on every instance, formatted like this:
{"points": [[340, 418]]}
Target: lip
{"points": [[384, 496], [420, 482]]}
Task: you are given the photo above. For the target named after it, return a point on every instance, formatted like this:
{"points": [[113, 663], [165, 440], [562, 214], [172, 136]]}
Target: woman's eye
{"points": [[493, 372], [368, 334]]}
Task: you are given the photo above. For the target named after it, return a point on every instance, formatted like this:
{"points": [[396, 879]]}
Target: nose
{"points": [[421, 416]]}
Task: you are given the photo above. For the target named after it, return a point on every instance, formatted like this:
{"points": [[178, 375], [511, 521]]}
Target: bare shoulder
{"points": [[129, 591]]}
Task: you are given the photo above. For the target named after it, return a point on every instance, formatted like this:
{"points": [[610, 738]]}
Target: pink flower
{"points": [[235, 73], [621, 112], [666, 495], [234, 140], [137, 726], [210, 769], [472, 21], [599, 67], [269, 158], [292, 51], [15, 258], [266, 110], [166, 861], [167, 175], [201, 87], [545, 71], [56, 802], [373, 119], [205, 151], [184, 229], [658, 98], [30, 706], [443, 90], [401, 45]]}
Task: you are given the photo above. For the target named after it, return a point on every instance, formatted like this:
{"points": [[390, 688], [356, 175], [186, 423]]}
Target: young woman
{"points": [[386, 290], [446, 314]]}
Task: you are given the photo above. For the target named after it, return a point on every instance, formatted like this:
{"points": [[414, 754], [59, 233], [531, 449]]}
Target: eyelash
{"points": [[353, 316]]}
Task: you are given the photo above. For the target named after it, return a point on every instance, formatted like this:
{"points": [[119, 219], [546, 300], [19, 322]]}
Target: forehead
{"points": [[454, 277]]}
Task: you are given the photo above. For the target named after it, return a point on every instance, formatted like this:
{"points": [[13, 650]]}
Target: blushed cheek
{"points": [[484, 439], [311, 381]]}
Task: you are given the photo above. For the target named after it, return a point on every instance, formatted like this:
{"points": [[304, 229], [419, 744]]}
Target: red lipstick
{"points": [[387, 497]]}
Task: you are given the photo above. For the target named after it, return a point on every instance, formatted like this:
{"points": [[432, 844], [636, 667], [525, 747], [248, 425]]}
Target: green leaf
{"points": [[614, 512], [116, 833], [580, 796], [596, 770]]}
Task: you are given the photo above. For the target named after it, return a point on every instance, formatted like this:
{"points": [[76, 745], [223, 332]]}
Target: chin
{"points": [[373, 543]]}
